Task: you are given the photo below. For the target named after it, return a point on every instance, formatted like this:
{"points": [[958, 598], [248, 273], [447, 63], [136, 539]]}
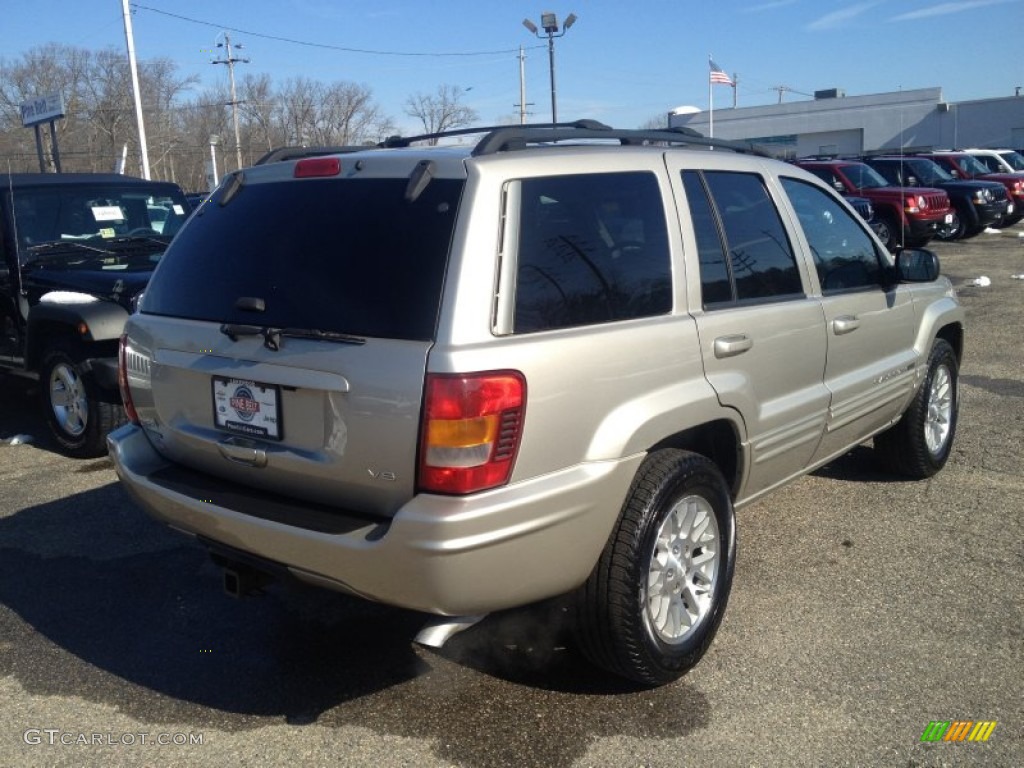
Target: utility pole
{"points": [[230, 61], [523, 103]]}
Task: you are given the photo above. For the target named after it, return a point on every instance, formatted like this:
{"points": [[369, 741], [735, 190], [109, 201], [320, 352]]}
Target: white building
{"points": [[834, 123]]}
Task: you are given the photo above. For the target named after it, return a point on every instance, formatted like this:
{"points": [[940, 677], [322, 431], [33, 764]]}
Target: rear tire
{"points": [[656, 597], [920, 443], [77, 418]]}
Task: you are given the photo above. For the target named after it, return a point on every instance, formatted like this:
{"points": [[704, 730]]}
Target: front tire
{"points": [[919, 444], [77, 418], [656, 597], [957, 230], [888, 231]]}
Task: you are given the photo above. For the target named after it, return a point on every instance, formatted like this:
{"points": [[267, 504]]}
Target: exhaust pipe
{"points": [[243, 581], [440, 630]]}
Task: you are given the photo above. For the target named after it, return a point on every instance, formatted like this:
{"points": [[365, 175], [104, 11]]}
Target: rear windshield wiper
{"points": [[272, 336]]}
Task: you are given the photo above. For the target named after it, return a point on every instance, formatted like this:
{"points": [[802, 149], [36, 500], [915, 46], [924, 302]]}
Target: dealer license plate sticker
{"points": [[247, 407], [949, 218]]}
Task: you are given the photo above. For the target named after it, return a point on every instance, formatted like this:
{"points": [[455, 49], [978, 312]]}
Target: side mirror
{"points": [[917, 265], [911, 181]]}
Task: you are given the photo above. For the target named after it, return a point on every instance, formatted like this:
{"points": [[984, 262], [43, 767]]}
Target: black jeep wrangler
{"points": [[76, 250]]}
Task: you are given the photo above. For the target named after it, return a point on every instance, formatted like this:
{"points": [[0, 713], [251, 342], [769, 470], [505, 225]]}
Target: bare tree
{"points": [[50, 68], [100, 115], [659, 122], [259, 113], [440, 111]]}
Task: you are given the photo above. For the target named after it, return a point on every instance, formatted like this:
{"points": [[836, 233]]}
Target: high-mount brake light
{"points": [[472, 425], [312, 167], [122, 380]]}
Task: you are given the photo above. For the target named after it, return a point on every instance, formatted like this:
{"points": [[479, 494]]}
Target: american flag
{"points": [[718, 75]]}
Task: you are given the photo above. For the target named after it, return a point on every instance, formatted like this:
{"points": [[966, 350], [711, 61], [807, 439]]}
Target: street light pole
{"points": [[549, 22]]}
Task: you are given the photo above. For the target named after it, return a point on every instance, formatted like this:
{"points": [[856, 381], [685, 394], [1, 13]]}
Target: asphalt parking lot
{"points": [[863, 608]]}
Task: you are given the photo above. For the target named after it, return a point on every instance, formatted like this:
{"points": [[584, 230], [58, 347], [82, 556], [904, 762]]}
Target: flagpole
{"points": [[711, 103]]}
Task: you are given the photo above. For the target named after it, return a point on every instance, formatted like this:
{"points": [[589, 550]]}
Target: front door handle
{"points": [[730, 346], [845, 324]]}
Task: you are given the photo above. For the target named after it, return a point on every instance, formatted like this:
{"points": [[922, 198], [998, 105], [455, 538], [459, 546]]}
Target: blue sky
{"points": [[622, 63]]}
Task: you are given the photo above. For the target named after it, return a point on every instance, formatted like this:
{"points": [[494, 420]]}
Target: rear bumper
{"points": [[444, 555]]}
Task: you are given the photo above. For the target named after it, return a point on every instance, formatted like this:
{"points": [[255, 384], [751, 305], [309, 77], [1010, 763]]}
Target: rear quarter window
{"points": [[593, 248]]}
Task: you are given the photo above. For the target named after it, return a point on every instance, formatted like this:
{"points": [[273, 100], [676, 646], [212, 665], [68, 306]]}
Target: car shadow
{"points": [[100, 602], [859, 465], [21, 414]]}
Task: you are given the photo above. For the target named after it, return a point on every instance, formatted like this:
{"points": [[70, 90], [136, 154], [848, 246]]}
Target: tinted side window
{"points": [[715, 285], [829, 178], [989, 162], [890, 173], [844, 254], [761, 257], [592, 249]]}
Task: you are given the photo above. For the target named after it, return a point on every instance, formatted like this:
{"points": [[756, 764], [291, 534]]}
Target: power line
{"points": [[319, 45]]}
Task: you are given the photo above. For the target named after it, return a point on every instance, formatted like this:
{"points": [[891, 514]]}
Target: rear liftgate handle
{"points": [[243, 451]]}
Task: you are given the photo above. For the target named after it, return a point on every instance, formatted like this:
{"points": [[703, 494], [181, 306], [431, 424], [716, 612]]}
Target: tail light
{"points": [[122, 380], [472, 424]]}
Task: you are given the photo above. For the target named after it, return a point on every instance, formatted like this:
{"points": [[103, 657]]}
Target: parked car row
{"points": [[943, 194]]}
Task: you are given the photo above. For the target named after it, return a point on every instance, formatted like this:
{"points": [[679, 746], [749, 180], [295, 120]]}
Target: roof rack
{"points": [[506, 138], [280, 154]]}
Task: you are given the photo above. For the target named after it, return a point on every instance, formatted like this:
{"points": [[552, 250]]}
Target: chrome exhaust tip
{"points": [[440, 630]]}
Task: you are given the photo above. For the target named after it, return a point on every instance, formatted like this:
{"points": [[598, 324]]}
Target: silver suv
{"points": [[462, 379]]}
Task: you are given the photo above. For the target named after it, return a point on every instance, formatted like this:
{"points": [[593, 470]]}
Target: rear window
{"points": [[349, 256]]}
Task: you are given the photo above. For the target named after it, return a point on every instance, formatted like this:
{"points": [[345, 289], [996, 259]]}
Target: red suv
{"points": [[965, 166], [904, 216]]}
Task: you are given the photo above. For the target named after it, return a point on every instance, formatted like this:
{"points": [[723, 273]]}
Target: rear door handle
{"points": [[845, 324], [730, 346]]}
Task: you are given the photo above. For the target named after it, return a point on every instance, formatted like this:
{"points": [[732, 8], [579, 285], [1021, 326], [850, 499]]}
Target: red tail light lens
{"points": [[472, 424], [122, 380]]}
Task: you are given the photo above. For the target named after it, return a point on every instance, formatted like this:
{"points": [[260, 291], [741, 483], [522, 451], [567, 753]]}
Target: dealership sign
{"points": [[42, 109]]}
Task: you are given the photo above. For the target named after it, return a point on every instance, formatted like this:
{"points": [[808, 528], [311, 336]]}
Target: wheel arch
{"points": [[718, 440], [686, 416], [78, 327], [954, 334]]}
